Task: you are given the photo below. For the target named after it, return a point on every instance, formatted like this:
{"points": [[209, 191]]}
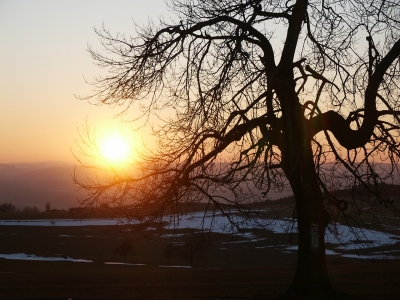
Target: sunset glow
{"points": [[115, 149]]}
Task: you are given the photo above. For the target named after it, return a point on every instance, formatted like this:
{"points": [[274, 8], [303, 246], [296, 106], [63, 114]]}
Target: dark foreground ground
{"points": [[230, 268], [68, 280]]}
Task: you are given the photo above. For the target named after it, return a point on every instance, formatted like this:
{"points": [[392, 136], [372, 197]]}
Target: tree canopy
{"points": [[251, 95]]}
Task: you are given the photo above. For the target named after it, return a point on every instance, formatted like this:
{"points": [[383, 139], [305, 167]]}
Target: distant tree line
{"points": [[10, 208]]}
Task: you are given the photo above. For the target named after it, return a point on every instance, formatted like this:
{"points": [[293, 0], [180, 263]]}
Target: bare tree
{"points": [[260, 93], [169, 250], [126, 248], [6, 208], [192, 248]]}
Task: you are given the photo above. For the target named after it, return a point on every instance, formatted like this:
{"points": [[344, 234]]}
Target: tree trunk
{"points": [[311, 280]]}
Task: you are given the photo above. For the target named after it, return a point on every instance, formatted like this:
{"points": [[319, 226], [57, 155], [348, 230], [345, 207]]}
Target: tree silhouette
{"points": [[192, 248], [169, 251], [252, 95], [7, 208], [125, 248]]}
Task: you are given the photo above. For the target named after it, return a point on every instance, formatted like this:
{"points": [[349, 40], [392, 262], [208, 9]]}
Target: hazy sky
{"points": [[43, 59]]}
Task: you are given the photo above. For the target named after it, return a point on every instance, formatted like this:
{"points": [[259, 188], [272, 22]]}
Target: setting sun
{"points": [[115, 149]]}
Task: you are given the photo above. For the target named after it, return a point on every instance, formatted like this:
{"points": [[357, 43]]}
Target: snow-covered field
{"points": [[59, 222], [345, 245]]}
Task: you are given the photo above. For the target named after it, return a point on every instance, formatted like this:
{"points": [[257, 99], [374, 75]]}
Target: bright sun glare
{"points": [[115, 149]]}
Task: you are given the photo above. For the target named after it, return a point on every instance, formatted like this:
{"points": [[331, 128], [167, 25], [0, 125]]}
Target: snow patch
{"points": [[23, 256]]}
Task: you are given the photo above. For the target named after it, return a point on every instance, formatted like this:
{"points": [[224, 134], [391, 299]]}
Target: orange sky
{"points": [[43, 60]]}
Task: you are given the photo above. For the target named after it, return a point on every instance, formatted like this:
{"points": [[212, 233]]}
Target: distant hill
{"points": [[392, 191], [35, 184]]}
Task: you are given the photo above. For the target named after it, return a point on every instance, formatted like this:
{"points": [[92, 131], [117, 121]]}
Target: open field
{"points": [[65, 280], [255, 265]]}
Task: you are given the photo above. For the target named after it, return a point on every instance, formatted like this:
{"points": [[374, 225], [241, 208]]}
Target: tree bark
{"points": [[311, 279]]}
